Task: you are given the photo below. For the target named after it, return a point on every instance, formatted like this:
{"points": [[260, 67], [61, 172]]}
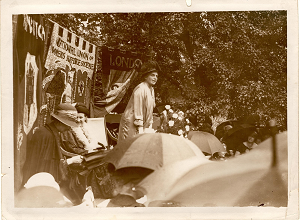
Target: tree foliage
{"points": [[221, 64]]}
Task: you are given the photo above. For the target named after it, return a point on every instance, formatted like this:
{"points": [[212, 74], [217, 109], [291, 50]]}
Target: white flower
{"points": [[167, 107], [187, 120], [180, 118], [180, 132], [171, 111], [175, 115], [181, 113], [187, 128], [171, 123]]}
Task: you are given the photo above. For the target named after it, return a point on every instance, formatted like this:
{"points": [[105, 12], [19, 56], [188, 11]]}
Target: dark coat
{"points": [[44, 155]]}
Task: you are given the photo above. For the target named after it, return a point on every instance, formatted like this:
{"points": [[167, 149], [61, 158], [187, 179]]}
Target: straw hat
{"points": [[66, 114]]}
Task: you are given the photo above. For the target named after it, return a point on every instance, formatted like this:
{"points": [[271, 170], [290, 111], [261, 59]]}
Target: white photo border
{"points": [[9, 7]]}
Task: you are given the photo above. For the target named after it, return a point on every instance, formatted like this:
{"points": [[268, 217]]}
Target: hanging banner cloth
{"points": [[71, 63], [119, 68], [29, 44]]}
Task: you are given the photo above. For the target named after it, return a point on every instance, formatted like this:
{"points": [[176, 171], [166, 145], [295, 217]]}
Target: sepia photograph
{"points": [[127, 112]]}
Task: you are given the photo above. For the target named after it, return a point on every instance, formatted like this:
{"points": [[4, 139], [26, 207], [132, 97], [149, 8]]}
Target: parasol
{"points": [[246, 180], [152, 151], [156, 185], [220, 128], [206, 142]]}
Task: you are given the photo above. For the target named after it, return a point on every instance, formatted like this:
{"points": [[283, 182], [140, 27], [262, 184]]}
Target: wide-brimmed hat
{"points": [[66, 114], [149, 67]]}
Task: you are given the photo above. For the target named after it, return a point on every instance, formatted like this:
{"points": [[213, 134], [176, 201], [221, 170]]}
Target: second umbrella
{"points": [[207, 142], [151, 151]]}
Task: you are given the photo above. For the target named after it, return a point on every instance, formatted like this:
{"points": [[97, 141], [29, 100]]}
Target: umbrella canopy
{"points": [[165, 177], [237, 135], [246, 180], [207, 142], [152, 151], [220, 128], [241, 130]]}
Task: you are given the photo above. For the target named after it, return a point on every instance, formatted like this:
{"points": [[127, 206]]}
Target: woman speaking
{"points": [[138, 114]]}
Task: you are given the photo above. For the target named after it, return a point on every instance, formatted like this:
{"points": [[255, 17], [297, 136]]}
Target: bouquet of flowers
{"points": [[174, 122]]}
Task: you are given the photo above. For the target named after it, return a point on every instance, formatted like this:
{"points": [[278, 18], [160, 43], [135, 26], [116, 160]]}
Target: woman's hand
{"points": [[75, 159]]}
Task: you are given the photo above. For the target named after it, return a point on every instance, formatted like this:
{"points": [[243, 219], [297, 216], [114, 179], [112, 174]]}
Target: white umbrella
{"points": [[158, 184], [246, 180]]}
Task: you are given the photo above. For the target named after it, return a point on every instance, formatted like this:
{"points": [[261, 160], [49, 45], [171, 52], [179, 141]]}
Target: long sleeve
{"points": [[138, 105], [71, 143], [138, 113]]}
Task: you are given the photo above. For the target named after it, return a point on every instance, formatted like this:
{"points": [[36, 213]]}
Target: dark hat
{"points": [[124, 201], [66, 114], [149, 67], [81, 108], [129, 174]]}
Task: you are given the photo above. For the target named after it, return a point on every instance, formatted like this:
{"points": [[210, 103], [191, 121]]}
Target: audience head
{"points": [[127, 178], [83, 112], [252, 137], [40, 191]]}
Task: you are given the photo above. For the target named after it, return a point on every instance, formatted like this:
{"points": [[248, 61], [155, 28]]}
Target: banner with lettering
{"points": [[71, 63], [118, 71], [29, 44]]}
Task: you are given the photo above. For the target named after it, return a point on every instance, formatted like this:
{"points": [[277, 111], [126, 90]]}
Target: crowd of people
{"points": [[59, 147], [58, 150]]}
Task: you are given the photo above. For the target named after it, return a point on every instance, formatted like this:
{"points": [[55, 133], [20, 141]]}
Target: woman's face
{"points": [[81, 118], [251, 139], [151, 79]]}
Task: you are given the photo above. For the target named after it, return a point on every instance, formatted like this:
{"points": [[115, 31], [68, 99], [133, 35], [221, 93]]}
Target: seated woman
{"points": [[44, 154], [77, 140]]}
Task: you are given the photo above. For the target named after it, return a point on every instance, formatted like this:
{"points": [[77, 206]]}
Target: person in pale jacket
{"points": [[138, 115]]}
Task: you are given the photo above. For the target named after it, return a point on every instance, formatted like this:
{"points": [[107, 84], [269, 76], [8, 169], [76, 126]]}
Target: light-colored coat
{"points": [[139, 111]]}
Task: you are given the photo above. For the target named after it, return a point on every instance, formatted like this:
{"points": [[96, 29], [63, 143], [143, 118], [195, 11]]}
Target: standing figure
{"points": [[138, 114]]}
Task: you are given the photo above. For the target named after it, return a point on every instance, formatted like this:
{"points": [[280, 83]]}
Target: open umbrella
{"points": [[241, 130], [152, 151], [165, 177], [246, 180], [220, 128], [207, 142], [237, 135]]}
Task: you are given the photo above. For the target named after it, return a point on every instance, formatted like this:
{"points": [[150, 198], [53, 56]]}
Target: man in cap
{"points": [[44, 149]]}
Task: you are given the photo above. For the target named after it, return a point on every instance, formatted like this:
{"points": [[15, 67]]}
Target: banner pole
{"points": [[91, 105]]}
